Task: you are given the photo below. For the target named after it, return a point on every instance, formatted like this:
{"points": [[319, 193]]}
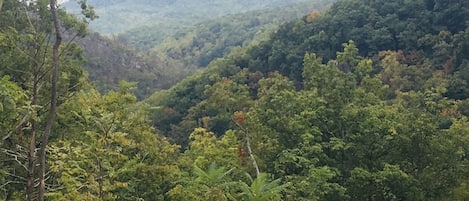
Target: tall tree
{"points": [[26, 52], [53, 99]]}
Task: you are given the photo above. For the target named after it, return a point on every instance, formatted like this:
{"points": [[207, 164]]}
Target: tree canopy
{"points": [[334, 106]]}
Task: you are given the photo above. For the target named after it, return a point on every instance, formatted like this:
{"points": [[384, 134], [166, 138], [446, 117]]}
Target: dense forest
{"points": [[167, 16], [169, 61], [365, 100], [247, 19]]}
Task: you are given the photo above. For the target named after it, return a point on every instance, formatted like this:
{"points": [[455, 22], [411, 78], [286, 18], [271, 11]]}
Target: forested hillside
{"points": [[109, 60], [367, 100], [118, 16], [384, 65], [231, 23], [438, 49]]}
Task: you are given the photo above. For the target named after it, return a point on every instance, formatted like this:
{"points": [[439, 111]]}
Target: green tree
{"points": [[205, 163], [391, 183], [14, 107], [26, 50], [261, 189], [123, 157]]}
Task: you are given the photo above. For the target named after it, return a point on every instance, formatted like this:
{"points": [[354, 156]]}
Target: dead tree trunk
{"points": [[31, 157], [53, 100], [248, 145], [32, 148], [251, 155]]}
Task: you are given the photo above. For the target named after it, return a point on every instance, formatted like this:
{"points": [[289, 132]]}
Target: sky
{"points": [[61, 1]]}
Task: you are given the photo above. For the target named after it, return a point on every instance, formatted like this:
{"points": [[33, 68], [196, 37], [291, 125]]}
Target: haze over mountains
{"points": [[170, 40], [121, 15]]}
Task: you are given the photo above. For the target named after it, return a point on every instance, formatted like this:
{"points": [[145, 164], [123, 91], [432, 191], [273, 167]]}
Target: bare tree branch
{"points": [[16, 176]]}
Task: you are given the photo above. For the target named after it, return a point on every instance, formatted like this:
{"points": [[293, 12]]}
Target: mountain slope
{"points": [[381, 118], [215, 38], [119, 16], [435, 46], [112, 60], [413, 26], [240, 25], [387, 122]]}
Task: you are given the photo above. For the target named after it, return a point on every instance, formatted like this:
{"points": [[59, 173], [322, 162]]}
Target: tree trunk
{"points": [[254, 163], [31, 157], [248, 145], [31, 177], [100, 181], [53, 100]]}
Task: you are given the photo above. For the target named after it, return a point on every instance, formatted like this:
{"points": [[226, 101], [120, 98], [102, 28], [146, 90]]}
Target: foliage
{"points": [[121, 152], [159, 63], [212, 38], [261, 189], [373, 118], [347, 126], [120, 16]]}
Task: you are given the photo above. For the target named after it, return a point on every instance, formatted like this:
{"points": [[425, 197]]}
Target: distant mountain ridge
{"points": [[235, 25], [118, 16], [169, 59]]}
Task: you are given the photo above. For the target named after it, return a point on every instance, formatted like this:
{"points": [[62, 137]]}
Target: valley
{"points": [[229, 100]]}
